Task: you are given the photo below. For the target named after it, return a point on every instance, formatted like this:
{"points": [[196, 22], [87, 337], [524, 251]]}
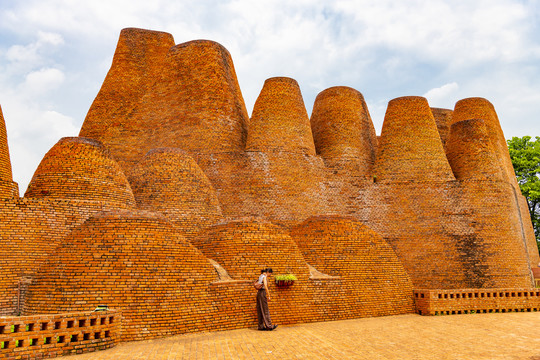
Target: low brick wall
{"points": [[466, 301], [46, 336]]}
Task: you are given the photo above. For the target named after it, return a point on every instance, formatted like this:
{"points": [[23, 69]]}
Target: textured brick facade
{"points": [[48, 336], [172, 200], [8, 189]]}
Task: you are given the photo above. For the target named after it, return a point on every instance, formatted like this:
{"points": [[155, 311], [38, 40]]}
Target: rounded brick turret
{"points": [[470, 152], [342, 127], [374, 281], [480, 108], [280, 121], [170, 181], [410, 148], [8, 188], [134, 261], [80, 169], [137, 62]]}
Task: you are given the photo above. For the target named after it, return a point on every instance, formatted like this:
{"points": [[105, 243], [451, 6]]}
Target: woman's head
{"points": [[267, 270]]}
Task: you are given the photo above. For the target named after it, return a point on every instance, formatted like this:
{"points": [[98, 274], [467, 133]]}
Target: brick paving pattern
{"points": [[488, 336]]}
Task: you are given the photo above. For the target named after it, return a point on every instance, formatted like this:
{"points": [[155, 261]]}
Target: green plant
{"points": [[289, 277]]}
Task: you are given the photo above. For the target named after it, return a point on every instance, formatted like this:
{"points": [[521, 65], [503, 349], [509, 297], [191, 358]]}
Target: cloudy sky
{"points": [[54, 55]]}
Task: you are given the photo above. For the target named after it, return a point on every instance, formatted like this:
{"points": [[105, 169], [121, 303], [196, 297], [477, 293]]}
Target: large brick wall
{"points": [[361, 221], [134, 261]]}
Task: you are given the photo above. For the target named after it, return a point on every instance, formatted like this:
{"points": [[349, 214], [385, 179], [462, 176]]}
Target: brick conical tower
{"points": [[480, 108], [8, 189], [410, 148], [470, 153], [280, 121], [137, 62], [342, 128]]}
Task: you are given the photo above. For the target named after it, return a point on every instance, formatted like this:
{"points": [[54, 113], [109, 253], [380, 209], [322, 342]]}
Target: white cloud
{"points": [[43, 81], [443, 96]]}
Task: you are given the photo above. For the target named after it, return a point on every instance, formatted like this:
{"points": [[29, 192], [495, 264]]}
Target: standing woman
{"points": [[263, 295]]}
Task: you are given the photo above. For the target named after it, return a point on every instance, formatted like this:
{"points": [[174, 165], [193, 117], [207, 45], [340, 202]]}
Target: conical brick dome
{"points": [[410, 147], [470, 152], [480, 108], [137, 62], [134, 261], [8, 189], [373, 278], [194, 105], [342, 127], [81, 169], [280, 121], [170, 181]]}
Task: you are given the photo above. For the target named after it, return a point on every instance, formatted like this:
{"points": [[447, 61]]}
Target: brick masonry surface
{"points": [[46, 336], [172, 199]]}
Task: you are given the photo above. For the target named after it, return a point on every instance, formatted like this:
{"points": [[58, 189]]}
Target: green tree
{"points": [[525, 155]]}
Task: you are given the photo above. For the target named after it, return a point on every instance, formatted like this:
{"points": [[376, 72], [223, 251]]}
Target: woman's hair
{"points": [[269, 270]]}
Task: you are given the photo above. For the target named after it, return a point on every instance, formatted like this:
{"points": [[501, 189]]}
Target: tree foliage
{"points": [[525, 155]]}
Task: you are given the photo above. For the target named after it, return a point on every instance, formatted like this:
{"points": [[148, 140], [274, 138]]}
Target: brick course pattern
{"points": [[172, 200], [8, 189], [47, 336], [469, 301], [170, 181], [280, 121], [133, 261], [80, 168]]}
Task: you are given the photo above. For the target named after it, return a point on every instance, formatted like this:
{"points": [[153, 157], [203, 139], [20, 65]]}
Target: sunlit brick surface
{"points": [[470, 153], [8, 189], [170, 181], [410, 147], [132, 261], [346, 248], [280, 120], [343, 130], [80, 168], [479, 108], [211, 197], [443, 119]]}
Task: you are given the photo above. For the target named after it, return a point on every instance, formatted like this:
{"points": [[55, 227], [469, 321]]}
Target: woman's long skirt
{"points": [[263, 315]]}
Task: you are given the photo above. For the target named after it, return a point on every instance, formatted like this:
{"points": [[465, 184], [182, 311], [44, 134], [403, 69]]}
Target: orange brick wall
{"points": [[467, 301], [280, 121], [80, 168], [171, 182], [343, 131], [30, 231], [8, 189], [133, 261], [48, 336], [359, 221], [137, 62]]}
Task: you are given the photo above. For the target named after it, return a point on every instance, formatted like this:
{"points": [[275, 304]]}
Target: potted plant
{"points": [[285, 280]]}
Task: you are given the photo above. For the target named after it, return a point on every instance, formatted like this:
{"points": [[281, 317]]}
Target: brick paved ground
{"points": [[478, 336]]}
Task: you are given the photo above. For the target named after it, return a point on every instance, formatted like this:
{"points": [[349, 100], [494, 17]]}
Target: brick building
{"points": [[172, 199]]}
